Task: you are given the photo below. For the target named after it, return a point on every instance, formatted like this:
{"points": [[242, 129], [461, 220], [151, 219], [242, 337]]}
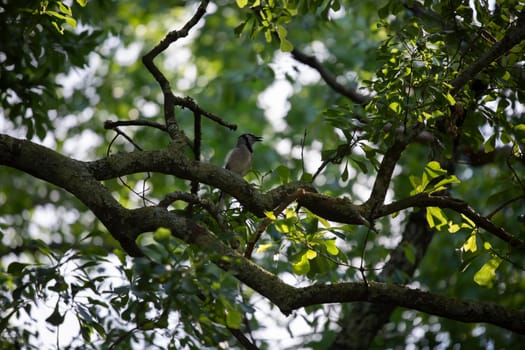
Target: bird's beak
{"points": [[258, 138]]}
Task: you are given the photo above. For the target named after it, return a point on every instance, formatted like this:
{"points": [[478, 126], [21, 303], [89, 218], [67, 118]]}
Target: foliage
{"points": [[365, 92]]}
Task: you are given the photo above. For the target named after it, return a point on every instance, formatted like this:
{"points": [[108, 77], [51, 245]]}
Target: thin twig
{"points": [[110, 124], [267, 221], [197, 140], [510, 201], [188, 102], [362, 263], [123, 134], [148, 174]]}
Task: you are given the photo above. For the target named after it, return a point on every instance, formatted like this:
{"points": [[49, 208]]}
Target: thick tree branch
{"points": [[289, 298], [126, 224], [335, 209], [392, 294], [75, 177], [57, 169]]}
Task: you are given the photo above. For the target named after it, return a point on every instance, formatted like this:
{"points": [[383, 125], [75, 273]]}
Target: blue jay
{"points": [[239, 160]]}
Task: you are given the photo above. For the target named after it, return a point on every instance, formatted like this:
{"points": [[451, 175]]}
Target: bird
{"points": [[239, 159]]}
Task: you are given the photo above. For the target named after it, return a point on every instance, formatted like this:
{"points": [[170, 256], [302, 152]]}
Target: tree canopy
{"points": [[385, 207]]}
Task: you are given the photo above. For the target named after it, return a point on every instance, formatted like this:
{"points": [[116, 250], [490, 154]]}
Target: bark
{"points": [[82, 179]]}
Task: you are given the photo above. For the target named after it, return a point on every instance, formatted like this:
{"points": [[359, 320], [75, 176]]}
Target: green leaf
{"points": [[15, 268], [302, 266], [65, 9], [162, 235], [441, 184], [71, 21], [519, 127], [283, 226], [121, 255], [434, 169], [311, 254], [264, 247], [486, 276], [362, 166], [82, 3], [415, 181], [453, 228], [233, 318], [436, 213], [395, 106], [468, 258], [450, 99], [330, 246], [268, 35], [324, 222], [270, 215], [490, 144], [470, 244], [284, 173], [286, 46], [238, 30], [242, 3], [306, 177], [468, 223]]}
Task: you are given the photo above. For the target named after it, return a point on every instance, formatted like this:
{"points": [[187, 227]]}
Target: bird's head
{"points": [[248, 139]]}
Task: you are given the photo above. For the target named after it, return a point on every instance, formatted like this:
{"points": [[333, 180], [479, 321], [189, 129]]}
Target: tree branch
{"points": [[147, 60], [386, 169], [392, 294], [329, 78], [423, 200], [110, 124], [126, 224], [75, 177], [289, 298], [512, 37], [46, 164]]}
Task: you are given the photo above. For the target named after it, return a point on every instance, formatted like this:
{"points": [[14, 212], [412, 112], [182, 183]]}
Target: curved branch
{"points": [[126, 224], [422, 200], [47, 164], [188, 102], [147, 60], [392, 294], [289, 298], [329, 78], [110, 124], [75, 177]]}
